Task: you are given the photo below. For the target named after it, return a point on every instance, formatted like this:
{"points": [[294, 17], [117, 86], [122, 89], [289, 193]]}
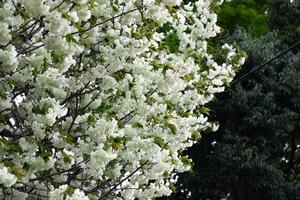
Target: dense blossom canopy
{"points": [[98, 98]]}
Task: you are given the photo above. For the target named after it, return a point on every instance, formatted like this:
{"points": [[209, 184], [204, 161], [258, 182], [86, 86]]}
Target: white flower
{"points": [[74, 16], [36, 7], [8, 59], [6, 178], [80, 1], [19, 195], [58, 194], [99, 159], [5, 37], [77, 195], [173, 2]]}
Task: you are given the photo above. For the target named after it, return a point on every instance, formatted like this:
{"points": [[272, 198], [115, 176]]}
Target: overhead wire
{"points": [[264, 64]]}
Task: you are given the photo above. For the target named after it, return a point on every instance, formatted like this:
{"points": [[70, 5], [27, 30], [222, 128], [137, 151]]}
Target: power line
{"points": [[264, 64]]}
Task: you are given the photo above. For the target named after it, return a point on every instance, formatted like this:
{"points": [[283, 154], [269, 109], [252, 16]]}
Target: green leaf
{"points": [[174, 162], [93, 20], [159, 141], [2, 119], [119, 75], [92, 197], [138, 125], [4, 141], [169, 104], [79, 26], [70, 38], [91, 119], [185, 160], [44, 151], [68, 137], [103, 108], [172, 187], [168, 117], [115, 9], [116, 143], [70, 191], [56, 58], [41, 110], [91, 4], [67, 16], [204, 110], [18, 171], [171, 43], [196, 136], [166, 174], [66, 158], [172, 128], [14, 148], [166, 27]]}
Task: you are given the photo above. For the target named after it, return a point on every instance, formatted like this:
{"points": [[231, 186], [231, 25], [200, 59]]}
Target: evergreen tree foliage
{"points": [[284, 17]]}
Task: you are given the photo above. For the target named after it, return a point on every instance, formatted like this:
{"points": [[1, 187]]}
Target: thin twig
{"points": [[103, 22]]}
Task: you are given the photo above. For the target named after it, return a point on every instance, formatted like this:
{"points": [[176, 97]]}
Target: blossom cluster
{"points": [[99, 98]]}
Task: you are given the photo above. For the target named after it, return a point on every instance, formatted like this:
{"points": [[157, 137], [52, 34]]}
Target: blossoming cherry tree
{"points": [[99, 98]]}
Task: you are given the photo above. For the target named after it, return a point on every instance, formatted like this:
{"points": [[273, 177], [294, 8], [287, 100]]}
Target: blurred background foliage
{"points": [[255, 154], [248, 14]]}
